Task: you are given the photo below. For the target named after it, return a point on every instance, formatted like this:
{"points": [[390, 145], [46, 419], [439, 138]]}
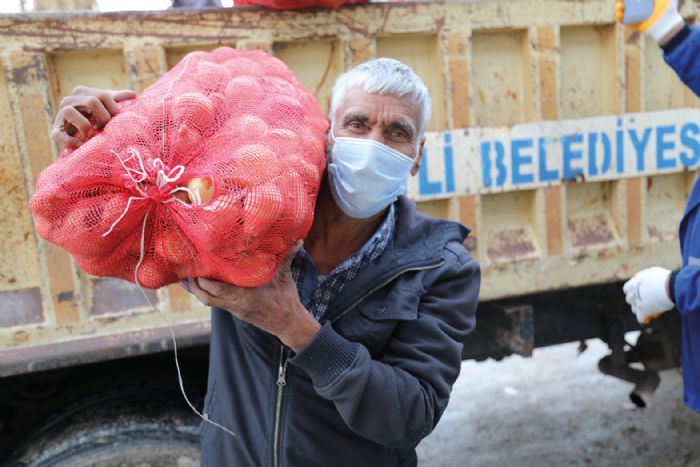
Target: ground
{"points": [[557, 409]]}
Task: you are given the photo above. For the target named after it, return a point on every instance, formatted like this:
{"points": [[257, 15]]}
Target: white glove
{"points": [[656, 18], [646, 294]]}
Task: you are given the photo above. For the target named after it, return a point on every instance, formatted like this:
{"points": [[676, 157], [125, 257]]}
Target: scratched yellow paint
{"points": [[99, 69], [316, 64], [19, 265], [588, 74]]}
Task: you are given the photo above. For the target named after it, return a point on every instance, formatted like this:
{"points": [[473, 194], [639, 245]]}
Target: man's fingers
{"points": [[292, 253], [185, 284], [110, 98], [100, 110], [72, 142], [214, 288], [109, 103], [123, 95], [70, 116], [95, 107], [197, 291], [284, 272], [64, 141]]}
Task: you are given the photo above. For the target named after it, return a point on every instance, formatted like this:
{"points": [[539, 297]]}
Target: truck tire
{"points": [[134, 431]]}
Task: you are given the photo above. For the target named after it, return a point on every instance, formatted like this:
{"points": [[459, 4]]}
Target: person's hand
{"points": [[647, 293], [274, 307], [656, 18], [72, 126]]}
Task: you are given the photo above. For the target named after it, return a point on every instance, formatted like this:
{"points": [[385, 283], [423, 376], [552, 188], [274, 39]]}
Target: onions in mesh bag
{"points": [[212, 172]]}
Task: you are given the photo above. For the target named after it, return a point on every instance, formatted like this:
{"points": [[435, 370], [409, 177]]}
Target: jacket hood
{"points": [[422, 233]]}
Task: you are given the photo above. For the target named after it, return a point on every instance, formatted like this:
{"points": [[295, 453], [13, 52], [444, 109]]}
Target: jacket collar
{"points": [[417, 242]]}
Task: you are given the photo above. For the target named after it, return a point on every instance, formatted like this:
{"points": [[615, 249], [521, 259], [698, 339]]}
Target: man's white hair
{"points": [[384, 76]]}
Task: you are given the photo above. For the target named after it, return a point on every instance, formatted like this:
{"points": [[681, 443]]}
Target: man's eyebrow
{"points": [[403, 125], [356, 116]]}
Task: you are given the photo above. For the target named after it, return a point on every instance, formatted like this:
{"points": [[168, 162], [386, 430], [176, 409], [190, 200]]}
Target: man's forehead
{"points": [[364, 105]]}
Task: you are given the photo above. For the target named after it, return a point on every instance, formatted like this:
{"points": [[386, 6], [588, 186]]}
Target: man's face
{"points": [[391, 120]]}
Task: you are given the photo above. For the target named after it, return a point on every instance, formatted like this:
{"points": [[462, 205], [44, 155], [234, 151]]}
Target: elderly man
{"points": [[348, 356]]}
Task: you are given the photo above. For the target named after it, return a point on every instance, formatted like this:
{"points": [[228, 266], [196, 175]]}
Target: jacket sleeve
{"points": [[397, 400], [682, 53], [685, 289]]}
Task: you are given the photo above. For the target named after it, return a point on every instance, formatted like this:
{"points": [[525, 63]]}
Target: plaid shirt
{"points": [[316, 291]]}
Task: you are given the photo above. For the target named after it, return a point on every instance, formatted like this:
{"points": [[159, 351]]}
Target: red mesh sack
{"points": [[212, 172], [298, 4]]}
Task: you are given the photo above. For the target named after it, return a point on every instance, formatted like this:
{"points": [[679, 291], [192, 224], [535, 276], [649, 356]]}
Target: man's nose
{"points": [[376, 134]]}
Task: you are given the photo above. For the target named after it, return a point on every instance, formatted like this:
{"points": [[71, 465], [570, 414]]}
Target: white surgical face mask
{"points": [[366, 176]]}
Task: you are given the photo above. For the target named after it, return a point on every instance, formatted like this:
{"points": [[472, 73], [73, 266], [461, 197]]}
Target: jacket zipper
{"points": [[282, 369], [357, 302], [281, 383]]}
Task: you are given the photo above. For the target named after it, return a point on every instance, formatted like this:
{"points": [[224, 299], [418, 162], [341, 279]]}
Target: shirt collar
{"points": [[371, 249]]}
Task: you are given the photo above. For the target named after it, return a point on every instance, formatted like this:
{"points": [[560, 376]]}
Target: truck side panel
{"points": [[489, 65]]}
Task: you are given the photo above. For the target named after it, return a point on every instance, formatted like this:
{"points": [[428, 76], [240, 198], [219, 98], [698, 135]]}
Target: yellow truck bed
{"points": [[518, 87]]}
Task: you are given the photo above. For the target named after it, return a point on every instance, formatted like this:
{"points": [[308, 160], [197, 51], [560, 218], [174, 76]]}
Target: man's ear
{"points": [[419, 158]]}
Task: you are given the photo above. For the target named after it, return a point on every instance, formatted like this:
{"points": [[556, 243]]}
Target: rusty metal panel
{"points": [[574, 210], [30, 103], [508, 227], [457, 99], [666, 196], [19, 264], [553, 206], [588, 75], [179, 299], [546, 49], [635, 210], [661, 85], [118, 296], [20, 307], [589, 162], [145, 62], [423, 54], [590, 223], [502, 78], [633, 71], [48, 5], [174, 54], [359, 48], [316, 64], [95, 68]]}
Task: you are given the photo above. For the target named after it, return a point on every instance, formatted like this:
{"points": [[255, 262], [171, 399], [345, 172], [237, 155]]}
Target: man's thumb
{"points": [[293, 252]]}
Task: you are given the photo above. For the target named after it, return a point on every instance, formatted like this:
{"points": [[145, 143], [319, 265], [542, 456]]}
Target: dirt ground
{"points": [[557, 409]]}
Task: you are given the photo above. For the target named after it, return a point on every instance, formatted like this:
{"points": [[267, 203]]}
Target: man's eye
{"points": [[355, 125]]}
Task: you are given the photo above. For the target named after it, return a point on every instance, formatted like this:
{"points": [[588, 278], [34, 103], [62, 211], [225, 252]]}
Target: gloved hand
{"points": [[656, 18], [646, 294]]}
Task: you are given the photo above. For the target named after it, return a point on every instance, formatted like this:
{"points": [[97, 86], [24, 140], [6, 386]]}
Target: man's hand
{"points": [[72, 126], [647, 293], [657, 18], [274, 307]]}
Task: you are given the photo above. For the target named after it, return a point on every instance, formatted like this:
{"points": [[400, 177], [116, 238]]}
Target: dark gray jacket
{"points": [[375, 380]]}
